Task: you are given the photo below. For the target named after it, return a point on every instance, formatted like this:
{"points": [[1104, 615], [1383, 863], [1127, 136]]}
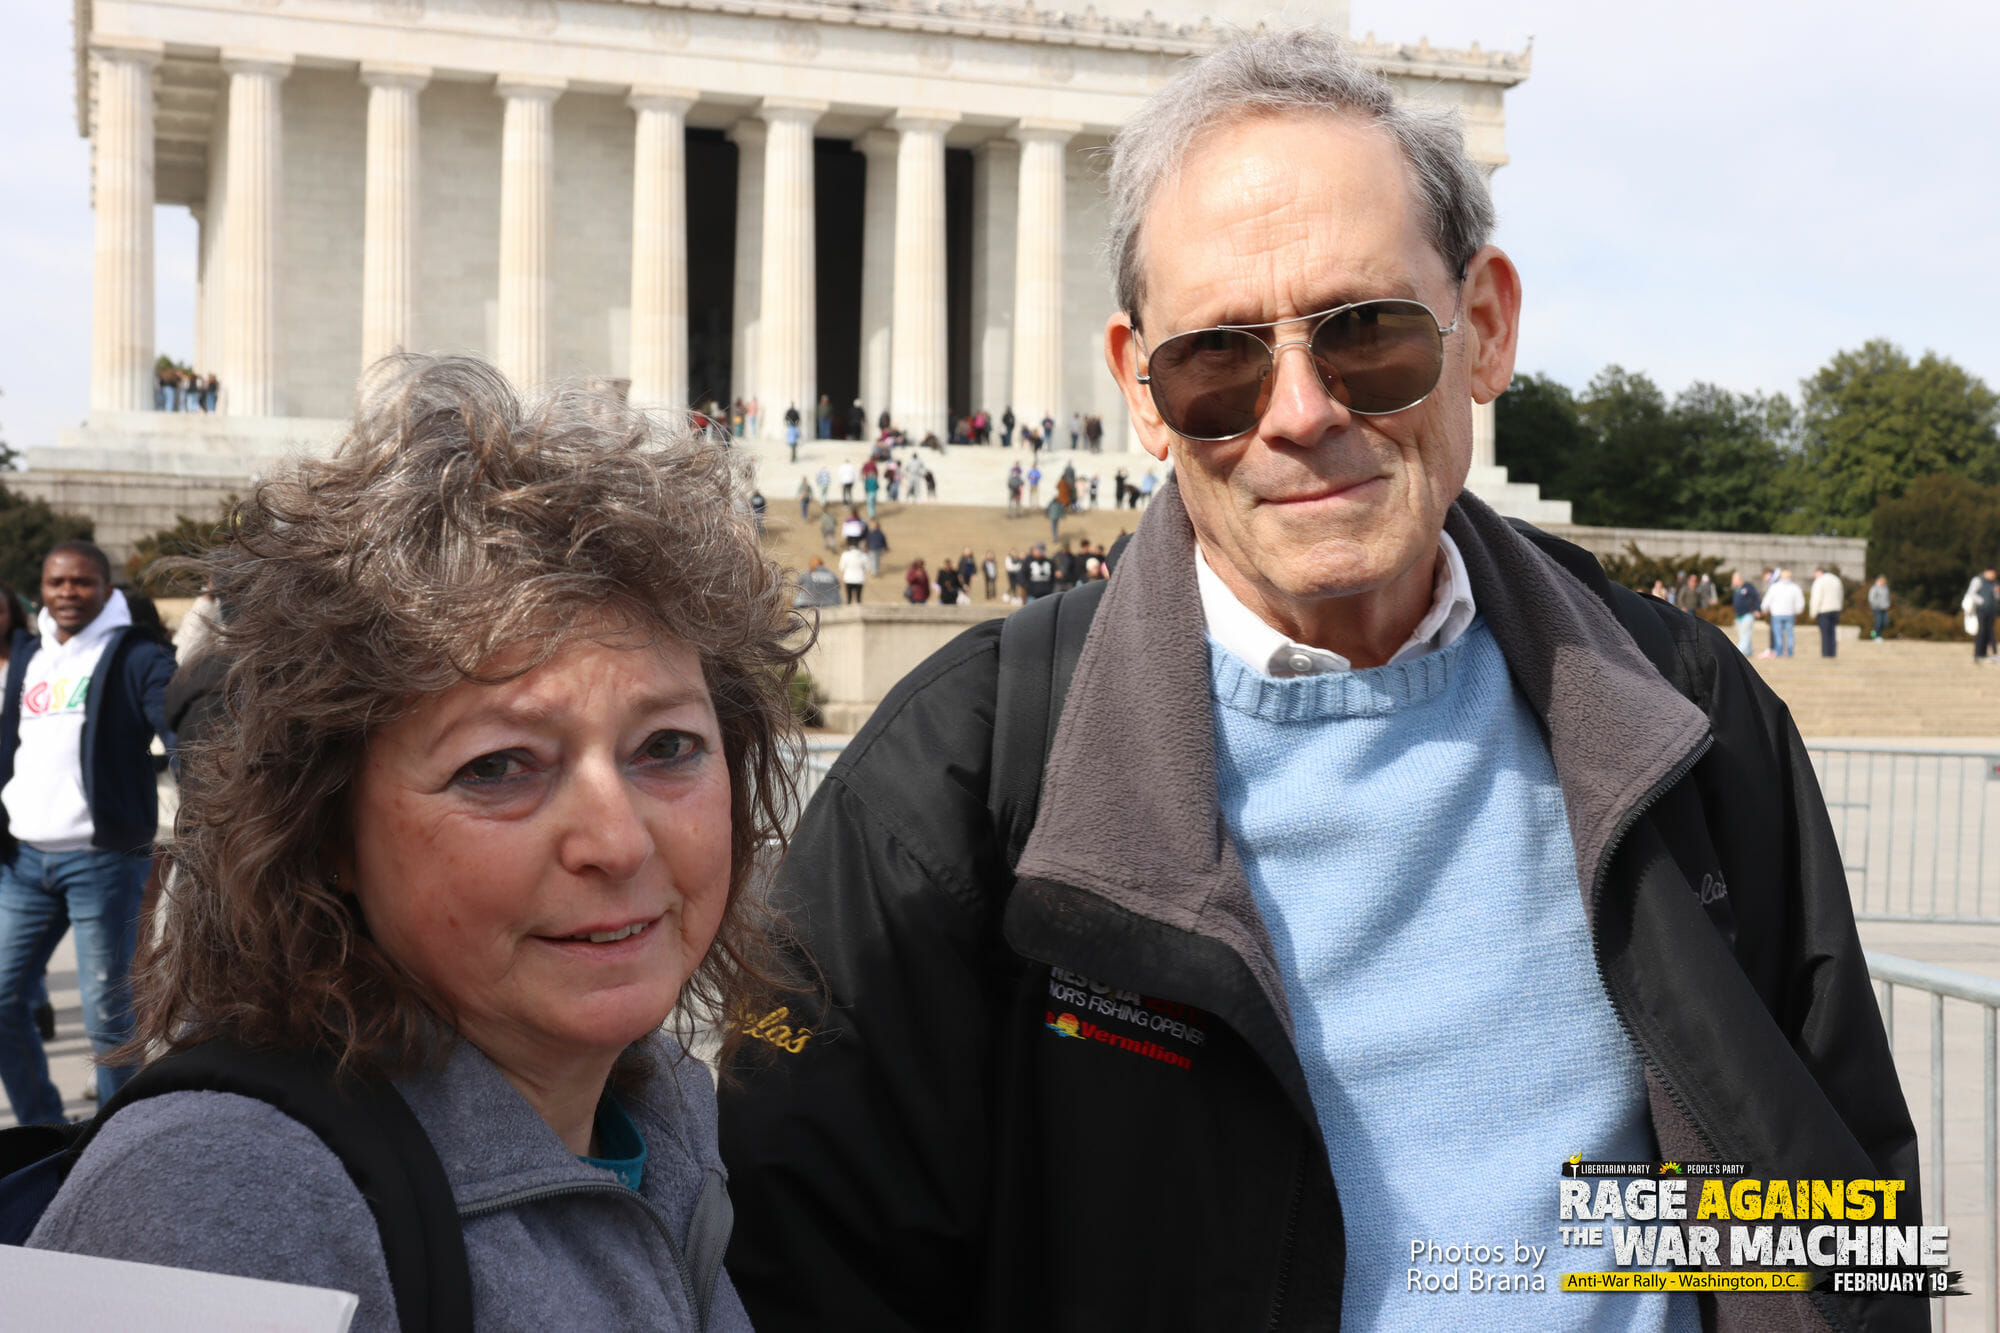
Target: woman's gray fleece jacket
{"points": [[226, 1184]]}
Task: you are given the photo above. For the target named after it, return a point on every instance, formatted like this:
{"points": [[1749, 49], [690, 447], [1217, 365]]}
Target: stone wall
{"points": [[458, 232], [1087, 299], [458, 217], [864, 650], [1747, 552], [319, 302], [128, 505]]}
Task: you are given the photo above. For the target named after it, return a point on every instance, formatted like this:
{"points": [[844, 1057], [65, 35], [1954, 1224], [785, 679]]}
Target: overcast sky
{"points": [[1707, 190]]}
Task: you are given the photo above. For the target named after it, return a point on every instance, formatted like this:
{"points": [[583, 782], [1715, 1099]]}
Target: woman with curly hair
{"points": [[506, 721]]}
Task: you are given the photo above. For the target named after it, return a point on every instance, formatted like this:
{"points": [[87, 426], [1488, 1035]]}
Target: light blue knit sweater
{"points": [[1405, 838]]}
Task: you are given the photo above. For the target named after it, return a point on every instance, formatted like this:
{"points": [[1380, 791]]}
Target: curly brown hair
{"points": [[453, 526]]}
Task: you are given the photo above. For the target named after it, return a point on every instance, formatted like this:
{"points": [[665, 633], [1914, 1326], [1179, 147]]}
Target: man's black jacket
{"points": [[938, 1149]]}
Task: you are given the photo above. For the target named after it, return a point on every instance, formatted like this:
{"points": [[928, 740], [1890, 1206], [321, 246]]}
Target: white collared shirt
{"points": [[1243, 632]]}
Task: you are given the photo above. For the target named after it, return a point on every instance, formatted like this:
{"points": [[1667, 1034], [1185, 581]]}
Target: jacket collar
{"points": [[1157, 850], [494, 1145]]}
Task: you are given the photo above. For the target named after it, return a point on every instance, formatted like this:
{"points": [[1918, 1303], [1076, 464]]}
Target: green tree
{"points": [[28, 528], [1730, 458], [1873, 423], [1933, 538], [1626, 456], [1538, 436], [187, 538], [1627, 476]]}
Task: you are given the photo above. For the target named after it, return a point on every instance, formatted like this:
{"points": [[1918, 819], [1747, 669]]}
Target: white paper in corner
{"points": [[47, 1289]]}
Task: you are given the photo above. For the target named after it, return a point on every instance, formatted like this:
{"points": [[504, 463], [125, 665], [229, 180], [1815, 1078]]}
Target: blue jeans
{"points": [[1781, 635], [42, 894], [1744, 625]]}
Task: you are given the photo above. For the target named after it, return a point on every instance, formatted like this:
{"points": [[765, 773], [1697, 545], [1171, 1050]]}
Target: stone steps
{"points": [[1888, 689]]}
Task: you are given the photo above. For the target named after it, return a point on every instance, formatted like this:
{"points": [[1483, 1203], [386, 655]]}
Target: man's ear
{"points": [[1121, 353], [1492, 314]]}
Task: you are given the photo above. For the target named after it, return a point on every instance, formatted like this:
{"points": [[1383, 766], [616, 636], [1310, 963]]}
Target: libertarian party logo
{"points": [[56, 696], [1715, 1226]]}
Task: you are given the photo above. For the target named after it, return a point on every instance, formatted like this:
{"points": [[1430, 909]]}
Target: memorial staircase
{"points": [[1889, 690]]}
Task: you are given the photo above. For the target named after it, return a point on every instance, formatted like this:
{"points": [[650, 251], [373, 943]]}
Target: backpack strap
{"points": [[1039, 648], [371, 1129]]}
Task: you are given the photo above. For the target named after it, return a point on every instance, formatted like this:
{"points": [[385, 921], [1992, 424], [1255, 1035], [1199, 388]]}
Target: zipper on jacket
{"points": [[1291, 1242], [1631, 817], [541, 1193], [1680, 770]]}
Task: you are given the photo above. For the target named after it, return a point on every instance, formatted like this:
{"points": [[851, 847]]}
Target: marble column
{"points": [[1483, 435], [214, 218], [389, 211], [660, 247], [746, 314], [996, 180], [919, 385], [1038, 270], [121, 329], [788, 369], [251, 368], [527, 188], [878, 271], [204, 307]]}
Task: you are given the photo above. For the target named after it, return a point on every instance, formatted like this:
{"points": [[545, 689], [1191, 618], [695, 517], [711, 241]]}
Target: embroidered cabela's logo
{"points": [[773, 1028]]}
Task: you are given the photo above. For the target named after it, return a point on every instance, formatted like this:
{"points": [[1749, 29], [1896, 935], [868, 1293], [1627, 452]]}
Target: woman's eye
{"points": [[665, 747], [491, 768]]}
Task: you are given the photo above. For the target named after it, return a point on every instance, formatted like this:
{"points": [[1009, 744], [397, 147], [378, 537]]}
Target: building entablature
{"points": [[863, 60]]}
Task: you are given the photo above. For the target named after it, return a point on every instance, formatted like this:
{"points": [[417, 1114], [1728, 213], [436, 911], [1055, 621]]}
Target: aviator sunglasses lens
{"points": [[1209, 384], [1379, 356]]}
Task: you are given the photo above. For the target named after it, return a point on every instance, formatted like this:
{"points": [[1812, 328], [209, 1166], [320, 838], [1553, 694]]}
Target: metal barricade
{"points": [[1912, 823], [1953, 1116], [818, 760]]}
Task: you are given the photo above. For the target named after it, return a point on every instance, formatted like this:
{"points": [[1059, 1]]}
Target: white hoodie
{"points": [[1784, 598], [45, 803]]}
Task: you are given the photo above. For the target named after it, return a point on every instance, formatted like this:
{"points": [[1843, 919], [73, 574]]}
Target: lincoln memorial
{"points": [[892, 201]]}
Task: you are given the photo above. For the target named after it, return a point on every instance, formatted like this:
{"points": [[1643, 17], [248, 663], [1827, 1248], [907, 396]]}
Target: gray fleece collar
{"points": [[493, 1144], [1152, 841]]}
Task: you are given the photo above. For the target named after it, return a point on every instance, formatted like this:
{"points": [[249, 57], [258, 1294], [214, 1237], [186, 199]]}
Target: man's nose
{"points": [[1301, 407]]}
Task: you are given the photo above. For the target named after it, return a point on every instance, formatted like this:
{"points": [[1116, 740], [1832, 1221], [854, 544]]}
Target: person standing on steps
{"points": [[1829, 595]]}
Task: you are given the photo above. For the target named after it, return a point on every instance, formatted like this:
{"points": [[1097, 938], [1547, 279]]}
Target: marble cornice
{"points": [[1023, 22], [1471, 64]]}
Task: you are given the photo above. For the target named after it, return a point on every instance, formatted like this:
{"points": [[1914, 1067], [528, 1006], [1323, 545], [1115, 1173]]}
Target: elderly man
{"points": [[1385, 856]]}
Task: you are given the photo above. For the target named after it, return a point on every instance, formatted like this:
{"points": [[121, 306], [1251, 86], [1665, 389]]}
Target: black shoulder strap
{"points": [[368, 1125], [1039, 648]]}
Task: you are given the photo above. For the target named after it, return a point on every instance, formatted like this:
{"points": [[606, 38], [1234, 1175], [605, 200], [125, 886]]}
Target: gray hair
{"points": [[454, 523], [1276, 73]]}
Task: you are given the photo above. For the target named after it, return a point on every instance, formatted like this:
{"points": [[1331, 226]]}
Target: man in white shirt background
{"points": [[1829, 595], [1783, 601]]}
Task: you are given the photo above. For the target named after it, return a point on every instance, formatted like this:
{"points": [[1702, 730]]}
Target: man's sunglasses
{"points": [[1374, 357]]}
